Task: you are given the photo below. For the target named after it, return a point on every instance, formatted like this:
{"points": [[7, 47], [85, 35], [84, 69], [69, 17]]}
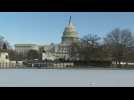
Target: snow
{"points": [[66, 77]]}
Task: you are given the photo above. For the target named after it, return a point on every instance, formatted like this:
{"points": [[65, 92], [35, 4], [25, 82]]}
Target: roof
{"points": [[70, 30], [25, 45]]}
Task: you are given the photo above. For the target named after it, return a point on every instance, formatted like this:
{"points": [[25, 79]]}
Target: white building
{"points": [[24, 48], [4, 58]]}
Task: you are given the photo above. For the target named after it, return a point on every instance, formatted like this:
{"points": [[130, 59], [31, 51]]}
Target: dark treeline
{"points": [[116, 47]]}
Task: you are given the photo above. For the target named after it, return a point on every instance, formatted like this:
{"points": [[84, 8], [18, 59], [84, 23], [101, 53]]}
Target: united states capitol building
{"points": [[54, 51]]}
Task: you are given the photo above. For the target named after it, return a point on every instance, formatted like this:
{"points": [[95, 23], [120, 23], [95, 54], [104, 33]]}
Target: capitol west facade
{"points": [[54, 51]]}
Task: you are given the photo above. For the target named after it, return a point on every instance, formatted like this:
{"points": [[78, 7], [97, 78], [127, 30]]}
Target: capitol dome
{"points": [[69, 34]]}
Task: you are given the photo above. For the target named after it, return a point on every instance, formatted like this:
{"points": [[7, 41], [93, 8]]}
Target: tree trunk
{"points": [[119, 64], [126, 63]]}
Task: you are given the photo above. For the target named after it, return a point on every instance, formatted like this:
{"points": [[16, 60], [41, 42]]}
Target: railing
{"points": [[34, 65], [52, 65], [9, 65], [63, 65]]}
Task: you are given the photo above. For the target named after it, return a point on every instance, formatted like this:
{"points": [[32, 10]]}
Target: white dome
{"points": [[70, 34]]}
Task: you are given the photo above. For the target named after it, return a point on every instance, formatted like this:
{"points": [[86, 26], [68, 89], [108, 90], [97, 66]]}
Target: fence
{"points": [[52, 65], [63, 65], [8, 65]]}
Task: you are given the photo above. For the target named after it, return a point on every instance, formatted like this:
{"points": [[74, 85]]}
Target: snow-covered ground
{"points": [[66, 77]]}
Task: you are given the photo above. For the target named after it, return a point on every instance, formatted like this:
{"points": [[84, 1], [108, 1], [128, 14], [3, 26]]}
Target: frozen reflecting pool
{"points": [[66, 77]]}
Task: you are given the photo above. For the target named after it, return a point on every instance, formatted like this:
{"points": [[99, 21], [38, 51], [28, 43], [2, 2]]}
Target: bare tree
{"points": [[89, 45], [4, 44], [33, 54], [91, 39], [87, 49], [74, 51], [1, 41], [118, 41]]}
